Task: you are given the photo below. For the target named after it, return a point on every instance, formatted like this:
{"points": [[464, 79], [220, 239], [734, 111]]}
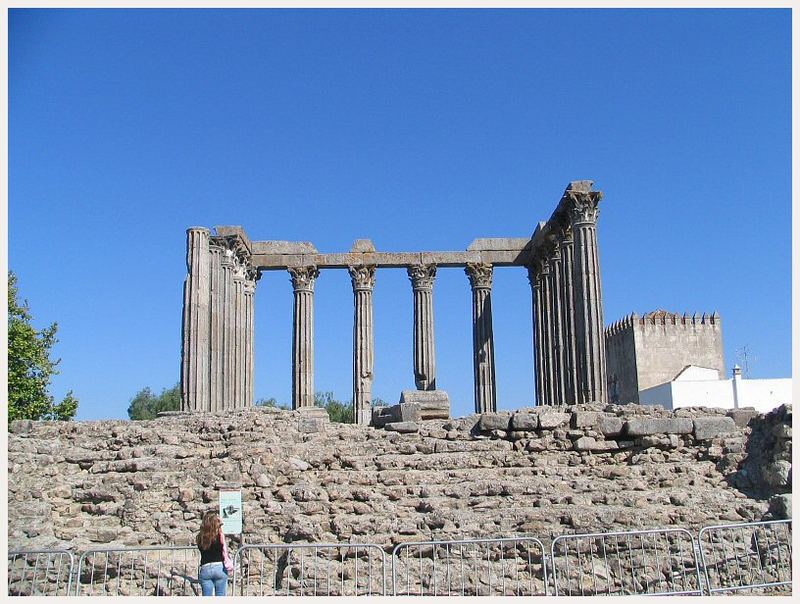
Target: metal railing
{"points": [[40, 572], [139, 571], [310, 569], [652, 562], [748, 556], [471, 567]]}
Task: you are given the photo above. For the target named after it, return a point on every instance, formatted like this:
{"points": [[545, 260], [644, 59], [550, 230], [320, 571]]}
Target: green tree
{"points": [[338, 411], [30, 367], [270, 402], [146, 405]]}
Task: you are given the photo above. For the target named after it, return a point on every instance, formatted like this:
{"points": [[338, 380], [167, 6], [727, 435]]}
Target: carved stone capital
{"points": [[566, 236], [363, 277], [303, 277], [422, 276], [584, 206], [252, 273], [480, 275], [533, 277]]}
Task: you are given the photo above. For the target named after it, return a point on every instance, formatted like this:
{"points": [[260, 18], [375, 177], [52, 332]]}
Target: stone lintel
{"points": [[283, 247], [516, 244], [235, 231], [392, 259]]}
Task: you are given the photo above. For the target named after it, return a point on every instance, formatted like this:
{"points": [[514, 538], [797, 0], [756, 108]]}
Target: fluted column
{"points": [[480, 278], [422, 276], [252, 276], [303, 279], [363, 278], [546, 331], [556, 326], [227, 262], [590, 345], [535, 279], [216, 374], [196, 322], [238, 332], [568, 310]]}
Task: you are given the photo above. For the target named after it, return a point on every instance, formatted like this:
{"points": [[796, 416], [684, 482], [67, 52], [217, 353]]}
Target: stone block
{"points": [[609, 425], [493, 421], [433, 404], [645, 426], [706, 428], [402, 427], [584, 443], [742, 417], [410, 412], [780, 506], [382, 415], [585, 419], [550, 418], [524, 422], [310, 425]]}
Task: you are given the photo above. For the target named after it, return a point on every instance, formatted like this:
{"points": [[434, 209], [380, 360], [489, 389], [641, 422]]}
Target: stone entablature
{"points": [[563, 267]]}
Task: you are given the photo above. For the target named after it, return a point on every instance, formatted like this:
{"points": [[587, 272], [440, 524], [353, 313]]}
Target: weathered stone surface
{"points": [[524, 421], [584, 419], [402, 427], [742, 417], [494, 421], [706, 428], [549, 418], [652, 425], [780, 506], [433, 404], [609, 425]]}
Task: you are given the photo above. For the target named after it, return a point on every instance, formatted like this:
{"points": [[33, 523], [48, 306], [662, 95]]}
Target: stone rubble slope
{"points": [[538, 472]]}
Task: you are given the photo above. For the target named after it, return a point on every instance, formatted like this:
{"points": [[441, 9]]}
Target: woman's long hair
{"points": [[209, 530]]}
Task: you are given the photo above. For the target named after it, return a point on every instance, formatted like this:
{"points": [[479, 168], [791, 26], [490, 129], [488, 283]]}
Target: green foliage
{"points": [[271, 402], [146, 405], [338, 412], [30, 367]]}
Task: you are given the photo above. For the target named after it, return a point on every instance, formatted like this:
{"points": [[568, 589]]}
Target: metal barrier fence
{"points": [[139, 571], [654, 562], [754, 556], [308, 569], [40, 572], [472, 567]]}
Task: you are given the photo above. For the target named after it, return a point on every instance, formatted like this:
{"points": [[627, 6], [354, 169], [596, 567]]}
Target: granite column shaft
{"points": [[196, 322], [303, 279], [480, 277], [363, 279], [422, 276]]}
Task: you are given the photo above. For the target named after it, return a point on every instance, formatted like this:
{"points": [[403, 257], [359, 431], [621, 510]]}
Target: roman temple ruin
{"points": [[561, 258]]}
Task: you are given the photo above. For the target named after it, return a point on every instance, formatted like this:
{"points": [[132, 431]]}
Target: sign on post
{"points": [[230, 511]]}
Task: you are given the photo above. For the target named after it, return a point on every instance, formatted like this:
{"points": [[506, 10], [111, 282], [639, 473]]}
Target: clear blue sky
{"points": [[418, 129]]}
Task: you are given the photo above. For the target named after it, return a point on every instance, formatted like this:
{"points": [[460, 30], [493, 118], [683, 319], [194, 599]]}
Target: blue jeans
{"points": [[213, 579]]}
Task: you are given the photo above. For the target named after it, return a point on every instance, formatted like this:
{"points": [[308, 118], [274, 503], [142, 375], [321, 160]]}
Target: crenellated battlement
{"points": [[665, 318]]}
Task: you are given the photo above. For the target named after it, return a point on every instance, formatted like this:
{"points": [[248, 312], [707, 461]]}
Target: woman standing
{"points": [[214, 565]]}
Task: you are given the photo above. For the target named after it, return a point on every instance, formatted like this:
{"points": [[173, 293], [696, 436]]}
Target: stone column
{"points": [[227, 262], [363, 278], [568, 311], [535, 279], [303, 279], [546, 331], [422, 276], [557, 326], [590, 345], [252, 275], [238, 335], [196, 322], [216, 373], [480, 278]]}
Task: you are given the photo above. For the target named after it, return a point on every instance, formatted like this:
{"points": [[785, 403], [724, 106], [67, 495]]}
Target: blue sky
{"points": [[421, 130]]}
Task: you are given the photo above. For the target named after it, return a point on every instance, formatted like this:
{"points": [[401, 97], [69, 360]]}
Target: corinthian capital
{"points": [[363, 277], [480, 275], [422, 275], [303, 277], [584, 205]]}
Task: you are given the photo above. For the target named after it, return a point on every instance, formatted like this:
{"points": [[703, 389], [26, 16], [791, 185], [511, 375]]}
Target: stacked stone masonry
{"points": [[540, 471], [563, 267]]}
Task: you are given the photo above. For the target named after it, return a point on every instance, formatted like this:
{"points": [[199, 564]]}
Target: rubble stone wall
{"points": [[538, 472]]}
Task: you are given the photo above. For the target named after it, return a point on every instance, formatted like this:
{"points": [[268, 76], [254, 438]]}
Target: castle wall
{"points": [[665, 345], [623, 384]]}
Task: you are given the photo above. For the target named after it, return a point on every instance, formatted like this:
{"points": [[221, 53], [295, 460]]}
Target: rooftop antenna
{"points": [[745, 358]]}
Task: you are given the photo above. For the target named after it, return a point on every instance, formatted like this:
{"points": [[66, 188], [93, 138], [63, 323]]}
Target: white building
{"points": [[699, 386]]}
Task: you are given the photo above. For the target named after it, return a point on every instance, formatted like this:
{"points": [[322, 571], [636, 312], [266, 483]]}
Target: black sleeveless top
{"points": [[212, 554]]}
